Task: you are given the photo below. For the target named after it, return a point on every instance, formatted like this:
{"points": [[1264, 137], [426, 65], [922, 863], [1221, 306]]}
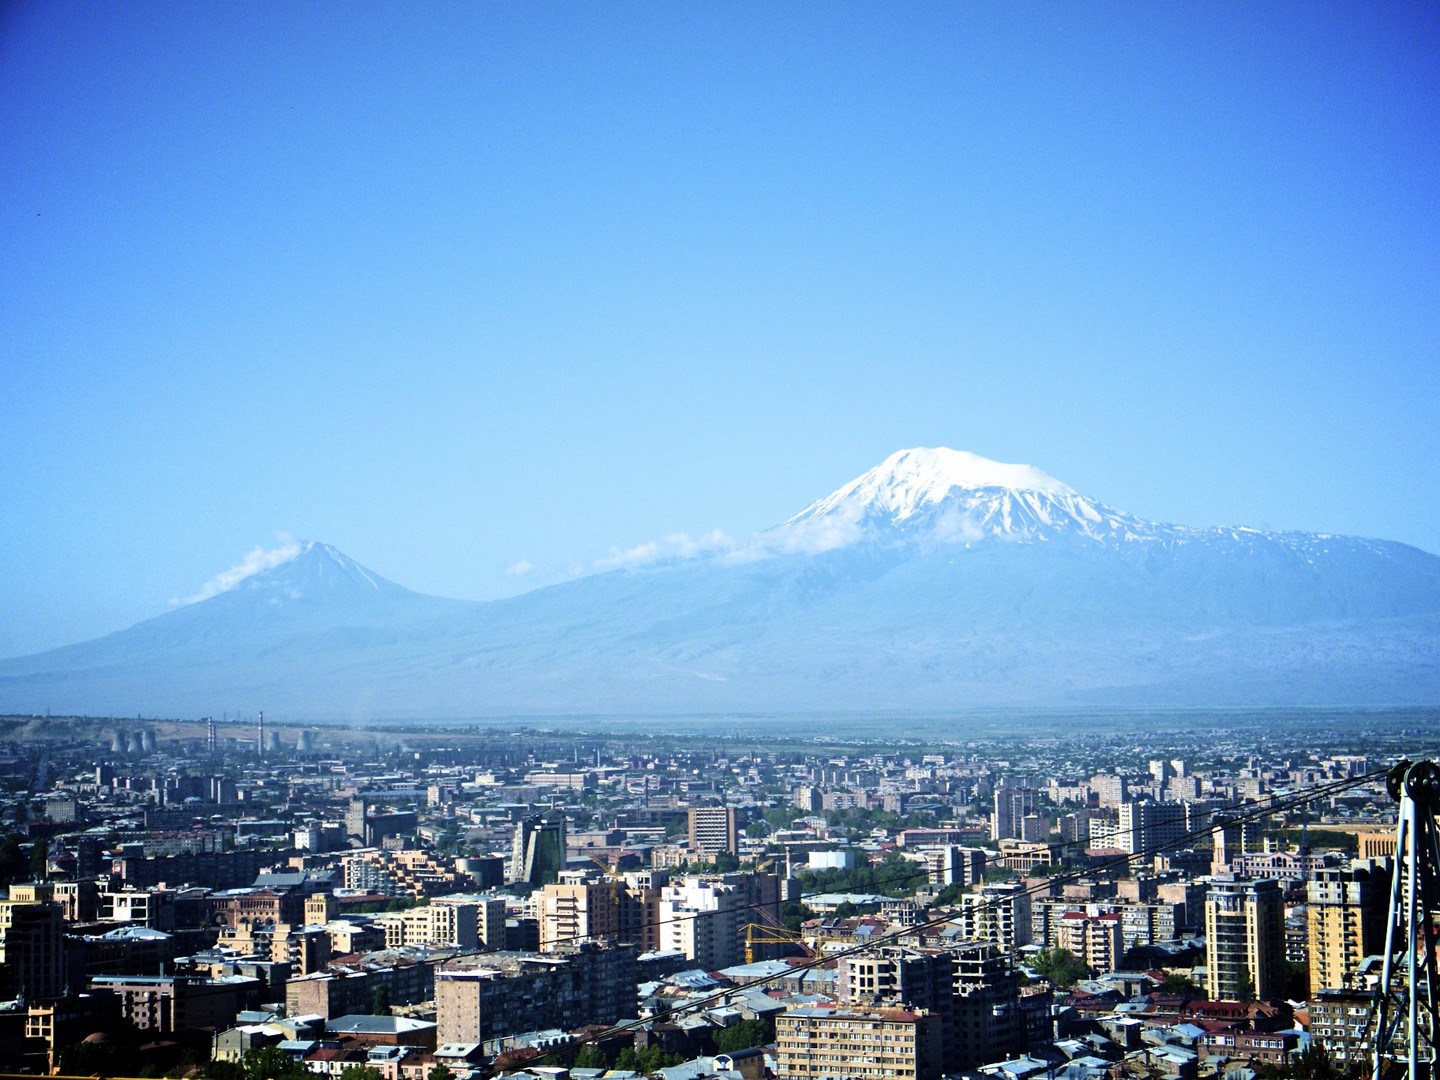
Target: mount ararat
{"points": [[938, 580]]}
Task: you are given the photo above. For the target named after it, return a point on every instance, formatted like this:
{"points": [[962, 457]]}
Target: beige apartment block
{"points": [[1245, 941], [870, 1044]]}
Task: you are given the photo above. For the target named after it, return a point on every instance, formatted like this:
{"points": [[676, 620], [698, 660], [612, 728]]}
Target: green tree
{"points": [[89, 1059], [1059, 967], [950, 895], [1177, 983], [627, 1060], [380, 1004], [744, 1035], [793, 913], [1247, 987], [1311, 1063], [361, 1072], [653, 1058], [272, 1063], [591, 1057]]}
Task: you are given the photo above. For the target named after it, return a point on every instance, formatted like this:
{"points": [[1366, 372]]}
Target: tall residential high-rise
{"points": [[1245, 940], [574, 912], [32, 949], [355, 818], [703, 918], [1231, 838], [537, 853], [950, 864], [1012, 804], [1347, 912], [1098, 940], [988, 1024], [1000, 913], [1109, 790], [1148, 825], [712, 830], [638, 915]]}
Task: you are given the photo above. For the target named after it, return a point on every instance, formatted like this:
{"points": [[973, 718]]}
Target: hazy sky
{"points": [[460, 288]]}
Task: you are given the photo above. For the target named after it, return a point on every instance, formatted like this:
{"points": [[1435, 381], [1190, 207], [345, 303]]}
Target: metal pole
{"points": [[1412, 925], [1383, 1020]]}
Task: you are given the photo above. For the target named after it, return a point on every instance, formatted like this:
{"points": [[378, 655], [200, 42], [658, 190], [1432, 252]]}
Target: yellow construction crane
{"points": [[765, 934]]}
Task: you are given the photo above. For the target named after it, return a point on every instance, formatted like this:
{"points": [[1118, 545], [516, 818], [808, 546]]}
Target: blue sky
{"points": [[456, 287]]}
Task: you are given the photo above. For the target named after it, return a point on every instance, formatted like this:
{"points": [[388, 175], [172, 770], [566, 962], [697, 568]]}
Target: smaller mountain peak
{"points": [[296, 568]]}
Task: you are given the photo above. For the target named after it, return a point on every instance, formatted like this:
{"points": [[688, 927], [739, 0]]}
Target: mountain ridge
{"points": [[922, 581]]}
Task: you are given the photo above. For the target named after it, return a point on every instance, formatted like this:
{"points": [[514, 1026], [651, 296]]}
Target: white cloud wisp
{"points": [[254, 563]]}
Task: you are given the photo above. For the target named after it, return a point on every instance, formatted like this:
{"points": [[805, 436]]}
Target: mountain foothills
{"points": [[937, 580]]}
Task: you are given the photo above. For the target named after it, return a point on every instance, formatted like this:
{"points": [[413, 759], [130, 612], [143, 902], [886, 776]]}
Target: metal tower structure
{"points": [[1404, 1026]]}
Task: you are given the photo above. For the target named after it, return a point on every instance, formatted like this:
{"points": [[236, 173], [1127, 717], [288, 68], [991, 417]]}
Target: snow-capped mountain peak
{"points": [[909, 480], [943, 495]]}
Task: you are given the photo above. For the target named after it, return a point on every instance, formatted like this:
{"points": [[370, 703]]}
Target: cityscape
{"points": [[592, 540], [1178, 896]]}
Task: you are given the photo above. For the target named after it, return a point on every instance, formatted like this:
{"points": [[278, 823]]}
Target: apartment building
{"points": [[712, 830], [999, 913], [951, 864], [1347, 913], [863, 1043], [441, 922], [1011, 805], [166, 1003], [32, 949], [1339, 1021], [1096, 939], [570, 913], [1147, 825], [1245, 941], [504, 994]]}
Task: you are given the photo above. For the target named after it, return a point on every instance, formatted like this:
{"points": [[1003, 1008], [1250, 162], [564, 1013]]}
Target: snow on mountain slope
{"points": [[941, 495]]}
